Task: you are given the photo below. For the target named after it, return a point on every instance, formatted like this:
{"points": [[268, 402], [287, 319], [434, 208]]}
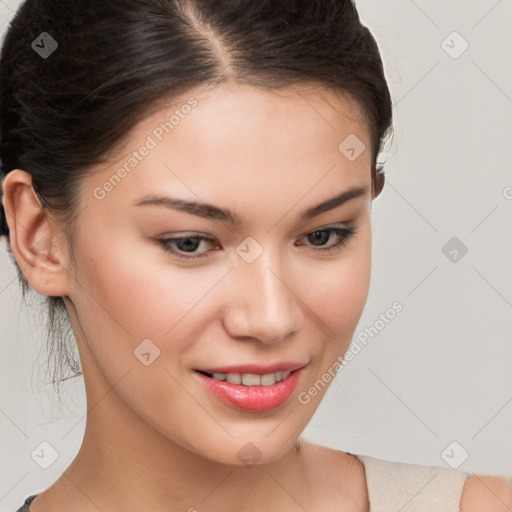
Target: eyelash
{"points": [[344, 235]]}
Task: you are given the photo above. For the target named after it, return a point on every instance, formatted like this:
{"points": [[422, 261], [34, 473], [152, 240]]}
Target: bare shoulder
{"points": [[337, 475], [485, 493]]}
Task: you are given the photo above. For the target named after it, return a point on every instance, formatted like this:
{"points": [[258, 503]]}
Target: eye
{"points": [[342, 236], [185, 244], [185, 247]]}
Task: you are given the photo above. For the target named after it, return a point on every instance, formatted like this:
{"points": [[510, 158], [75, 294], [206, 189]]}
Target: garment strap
{"points": [[400, 486]]}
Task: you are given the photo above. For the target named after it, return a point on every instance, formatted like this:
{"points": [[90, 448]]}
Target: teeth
{"points": [[234, 378], [250, 379], [268, 379]]}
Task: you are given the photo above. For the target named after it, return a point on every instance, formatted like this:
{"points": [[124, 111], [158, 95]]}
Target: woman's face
{"points": [[257, 295]]}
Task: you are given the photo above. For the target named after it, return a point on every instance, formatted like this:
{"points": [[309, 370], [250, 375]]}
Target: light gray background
{"points": [[440, 371]]}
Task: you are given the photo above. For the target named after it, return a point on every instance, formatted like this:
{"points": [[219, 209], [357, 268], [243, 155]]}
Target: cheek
{"points": [[132, 293], [135, 294], [128, 292], [124, 299], [337, 291]]}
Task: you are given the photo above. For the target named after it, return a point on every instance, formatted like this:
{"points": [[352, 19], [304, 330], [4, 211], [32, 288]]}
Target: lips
{"points": [[252, 394]]}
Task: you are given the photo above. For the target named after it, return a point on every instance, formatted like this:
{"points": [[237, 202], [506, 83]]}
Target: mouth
{"points": [[248, 379], [251, 391]]}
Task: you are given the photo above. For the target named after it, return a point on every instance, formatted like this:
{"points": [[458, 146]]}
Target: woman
{"points": [[191, 184]]}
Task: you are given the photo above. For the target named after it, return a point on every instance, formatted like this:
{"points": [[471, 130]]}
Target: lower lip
{"points": [[252, 398]]}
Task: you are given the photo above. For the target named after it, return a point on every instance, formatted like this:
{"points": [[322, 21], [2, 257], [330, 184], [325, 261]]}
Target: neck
{"points": [[125, 464]]}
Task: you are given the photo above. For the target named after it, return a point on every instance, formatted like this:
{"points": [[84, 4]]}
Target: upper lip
{"points": [[255, 369]]}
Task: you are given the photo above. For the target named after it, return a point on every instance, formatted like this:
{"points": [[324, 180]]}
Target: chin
{"points": [[251, 450]]}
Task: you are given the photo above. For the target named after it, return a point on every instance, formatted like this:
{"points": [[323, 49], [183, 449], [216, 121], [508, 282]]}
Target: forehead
{"points": [[239, 111], [236, 142]]}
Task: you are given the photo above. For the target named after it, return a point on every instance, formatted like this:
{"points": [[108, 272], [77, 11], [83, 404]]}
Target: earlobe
{"points": [[32, 236]]}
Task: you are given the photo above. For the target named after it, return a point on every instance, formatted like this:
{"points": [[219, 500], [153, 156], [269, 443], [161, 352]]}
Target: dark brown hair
{"points": [[115, 61]]}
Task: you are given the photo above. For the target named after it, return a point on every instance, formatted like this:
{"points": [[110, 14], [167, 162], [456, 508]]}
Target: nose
{"points": [[263, 304]]}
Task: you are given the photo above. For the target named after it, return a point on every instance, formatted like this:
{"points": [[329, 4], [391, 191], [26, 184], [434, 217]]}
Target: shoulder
{"points": [[485, 493]]}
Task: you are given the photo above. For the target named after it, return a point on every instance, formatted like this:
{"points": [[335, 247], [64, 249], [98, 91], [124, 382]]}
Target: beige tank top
{"points": [[400, 486]]}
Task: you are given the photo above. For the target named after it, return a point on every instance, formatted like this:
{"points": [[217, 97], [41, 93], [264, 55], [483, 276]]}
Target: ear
{"points": [[33, 237], [379, 183]]}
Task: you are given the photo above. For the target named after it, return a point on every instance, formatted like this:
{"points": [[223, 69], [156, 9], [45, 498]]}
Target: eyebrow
{"points": [[212, 212]]}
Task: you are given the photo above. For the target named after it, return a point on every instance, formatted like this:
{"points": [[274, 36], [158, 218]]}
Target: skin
{"points": [[155, 439]]}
